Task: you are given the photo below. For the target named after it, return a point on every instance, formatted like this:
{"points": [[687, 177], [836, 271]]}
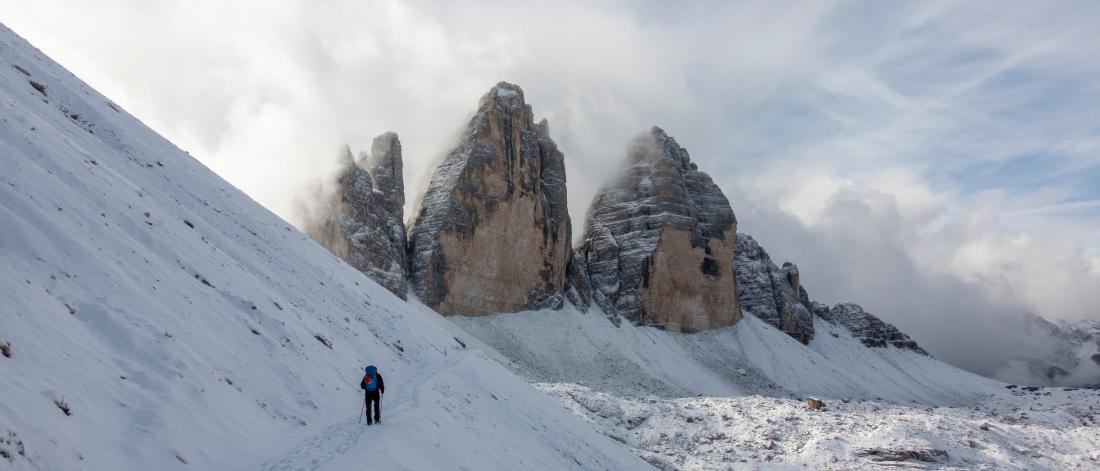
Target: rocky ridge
{"points": [[868, 328], [493, 233], [659, 241], [769, 292], [775, 295]]}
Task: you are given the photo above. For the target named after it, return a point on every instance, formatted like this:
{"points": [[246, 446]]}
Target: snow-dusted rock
{"points": [[493, 232], [578, 287], [363, 221], [771, 293], [659, 241], [866, 327]]}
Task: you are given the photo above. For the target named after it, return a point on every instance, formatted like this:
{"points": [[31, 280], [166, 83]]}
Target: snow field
{"points": [[1048, 430]]}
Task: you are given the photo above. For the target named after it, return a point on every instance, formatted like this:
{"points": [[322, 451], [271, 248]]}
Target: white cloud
{"points": [[930, 155]]}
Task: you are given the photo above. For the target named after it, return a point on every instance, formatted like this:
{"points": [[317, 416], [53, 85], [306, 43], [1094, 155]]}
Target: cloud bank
{"points": [[935, 162]]}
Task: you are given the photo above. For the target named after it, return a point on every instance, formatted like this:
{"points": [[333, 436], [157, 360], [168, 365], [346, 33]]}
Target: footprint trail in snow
{"points": [[317, 451]]}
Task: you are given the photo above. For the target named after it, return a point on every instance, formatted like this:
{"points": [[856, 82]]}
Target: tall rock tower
{"points": [[492, 233], [363, 222], [659, 241]]}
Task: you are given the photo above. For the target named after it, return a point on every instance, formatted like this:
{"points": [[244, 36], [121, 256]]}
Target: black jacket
{"points": [[381, 384]]}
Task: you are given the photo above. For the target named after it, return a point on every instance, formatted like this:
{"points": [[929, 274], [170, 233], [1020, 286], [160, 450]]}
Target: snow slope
{"points": [[735, 398], [750, 357], [184, 326]]}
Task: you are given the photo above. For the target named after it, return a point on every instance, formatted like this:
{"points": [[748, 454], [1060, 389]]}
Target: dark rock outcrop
{"points": [[769, 292], [578, 287], [659, 241], [362, 222], [492, 233], [866, 327]]}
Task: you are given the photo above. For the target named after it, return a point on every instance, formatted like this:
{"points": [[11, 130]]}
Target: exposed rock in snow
{"points": [[866, 327], [1044, 429], [363, 222], [770, 293], [492, 233], [659, 241]]}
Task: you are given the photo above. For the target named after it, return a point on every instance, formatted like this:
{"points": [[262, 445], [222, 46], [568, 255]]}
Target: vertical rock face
{"points": [[771, 293], [363, 222], [385, 167], [659, 241], [492, 233], [866, 327]]}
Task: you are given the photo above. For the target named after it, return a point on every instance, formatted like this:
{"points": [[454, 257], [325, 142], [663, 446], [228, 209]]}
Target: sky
{"points": [[936, 162]]}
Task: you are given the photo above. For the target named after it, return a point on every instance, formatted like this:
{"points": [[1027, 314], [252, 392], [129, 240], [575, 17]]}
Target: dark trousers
{"points": [[374, 397]]}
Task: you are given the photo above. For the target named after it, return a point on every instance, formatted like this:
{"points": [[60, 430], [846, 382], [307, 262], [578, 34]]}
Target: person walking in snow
{"points": [[374, 388]]}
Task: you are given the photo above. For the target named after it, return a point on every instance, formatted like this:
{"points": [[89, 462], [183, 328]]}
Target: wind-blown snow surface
{"points": [[184, 326], [735, 398], [750, 357], [1045, 429]]}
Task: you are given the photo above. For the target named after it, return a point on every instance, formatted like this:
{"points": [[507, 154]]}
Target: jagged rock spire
{"points": [[770, 293], [362, 221], [386, 170]]}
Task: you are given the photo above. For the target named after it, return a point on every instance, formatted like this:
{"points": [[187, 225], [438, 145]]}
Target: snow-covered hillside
{"points": [[750, 357], [154, 317], [736, 398]]}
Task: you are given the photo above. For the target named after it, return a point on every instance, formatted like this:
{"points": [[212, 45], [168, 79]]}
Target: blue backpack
{"points": [[371, 379]]}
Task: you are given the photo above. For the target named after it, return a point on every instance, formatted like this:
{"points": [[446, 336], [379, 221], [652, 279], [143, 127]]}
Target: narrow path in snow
{"points": [[337, 439]]}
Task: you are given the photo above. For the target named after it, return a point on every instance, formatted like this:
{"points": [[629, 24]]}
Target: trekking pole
{"points": [[362, 410]]}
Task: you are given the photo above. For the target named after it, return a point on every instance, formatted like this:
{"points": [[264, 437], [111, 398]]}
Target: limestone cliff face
{"points": [[769, 292], [492, 233], [363, 221], [866, 327], [659, 241]]}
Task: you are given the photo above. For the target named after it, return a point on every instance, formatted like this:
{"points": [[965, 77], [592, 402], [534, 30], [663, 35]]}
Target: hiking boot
{"points": [[378, 419], [370, 422]]}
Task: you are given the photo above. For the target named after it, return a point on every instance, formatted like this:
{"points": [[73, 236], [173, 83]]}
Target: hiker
{"points": [[374, 387]]}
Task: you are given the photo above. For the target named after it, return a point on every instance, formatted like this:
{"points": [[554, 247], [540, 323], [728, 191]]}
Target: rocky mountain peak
{"points": [[656, 145], [493, 233], [361, 219], [386, 168], [659, 241], [504, 96]]}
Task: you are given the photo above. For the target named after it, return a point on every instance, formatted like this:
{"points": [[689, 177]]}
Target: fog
{"points": [[934, 162]]}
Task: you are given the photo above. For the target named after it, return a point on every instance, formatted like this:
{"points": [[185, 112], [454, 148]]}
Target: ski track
{"points": [[316, 451]]}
